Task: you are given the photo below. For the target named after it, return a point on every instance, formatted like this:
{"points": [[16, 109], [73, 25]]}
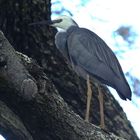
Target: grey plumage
{"points": [[89, 55]]}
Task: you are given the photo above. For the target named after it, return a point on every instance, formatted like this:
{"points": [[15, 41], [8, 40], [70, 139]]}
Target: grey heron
{"points": [[91, 58]]}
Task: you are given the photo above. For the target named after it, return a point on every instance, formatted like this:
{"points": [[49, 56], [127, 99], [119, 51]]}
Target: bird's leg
{"points": [[89, 95], [100, 97]]}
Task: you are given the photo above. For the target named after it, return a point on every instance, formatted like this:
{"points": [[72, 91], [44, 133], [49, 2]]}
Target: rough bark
{"points": [[11, 125], [13, 71], [47, 110], [52, 113]]}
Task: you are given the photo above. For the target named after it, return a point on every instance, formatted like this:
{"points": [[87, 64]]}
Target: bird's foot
{"points": [[86, 120], [104, 128]]}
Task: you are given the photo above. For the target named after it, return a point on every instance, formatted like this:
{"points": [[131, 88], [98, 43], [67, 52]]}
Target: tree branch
{"points": [[13, 72], [11, 126], [46, 116]]}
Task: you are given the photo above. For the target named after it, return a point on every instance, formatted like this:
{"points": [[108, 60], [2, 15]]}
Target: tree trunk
{"points": [[44, 99]]}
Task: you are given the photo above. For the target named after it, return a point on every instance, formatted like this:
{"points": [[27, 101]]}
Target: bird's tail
{"points": [[123, 90]]}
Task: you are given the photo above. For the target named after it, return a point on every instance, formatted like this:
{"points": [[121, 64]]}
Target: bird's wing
{"points": [[61, 43], [91, 53]]}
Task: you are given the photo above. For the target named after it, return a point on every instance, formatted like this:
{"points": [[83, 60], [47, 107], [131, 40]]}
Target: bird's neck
{"points": [[71, 29]]}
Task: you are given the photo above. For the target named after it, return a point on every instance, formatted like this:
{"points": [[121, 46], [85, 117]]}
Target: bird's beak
{"points": [[46, 22]]}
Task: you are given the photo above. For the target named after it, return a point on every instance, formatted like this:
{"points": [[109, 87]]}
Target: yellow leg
{"points": [[89, 95], [102, 123]]}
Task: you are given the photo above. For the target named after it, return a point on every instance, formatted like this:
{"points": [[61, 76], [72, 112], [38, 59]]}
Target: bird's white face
{"points": [[64, 22]]}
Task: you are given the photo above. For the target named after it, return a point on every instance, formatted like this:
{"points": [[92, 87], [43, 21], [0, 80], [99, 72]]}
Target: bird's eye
{"points": [[61, 20]]}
